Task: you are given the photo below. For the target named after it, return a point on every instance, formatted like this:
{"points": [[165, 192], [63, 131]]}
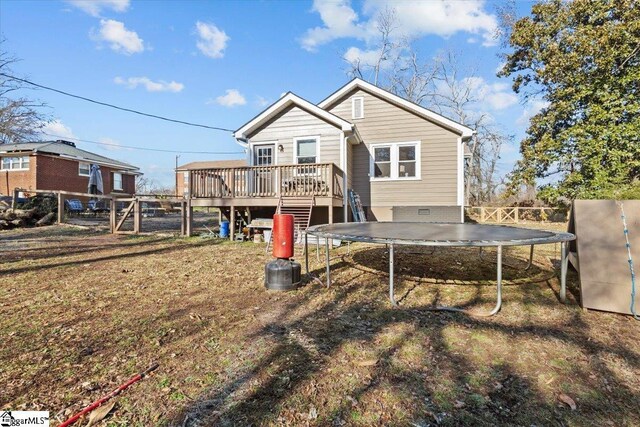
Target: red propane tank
{"points": [[282, 236]]}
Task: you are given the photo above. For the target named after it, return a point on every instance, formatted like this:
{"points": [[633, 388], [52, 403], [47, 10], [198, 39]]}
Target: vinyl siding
{"points": [[295, 122], [384, 122]]}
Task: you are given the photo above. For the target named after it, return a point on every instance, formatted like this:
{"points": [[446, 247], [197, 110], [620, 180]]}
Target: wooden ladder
{"points": [[300, 208]]}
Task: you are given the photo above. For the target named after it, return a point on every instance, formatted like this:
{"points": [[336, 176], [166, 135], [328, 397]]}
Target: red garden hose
{"points": [[114, 393]]}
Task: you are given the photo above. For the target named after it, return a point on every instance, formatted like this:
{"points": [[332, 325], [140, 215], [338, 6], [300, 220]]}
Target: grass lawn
{"points": [[82, 311]]}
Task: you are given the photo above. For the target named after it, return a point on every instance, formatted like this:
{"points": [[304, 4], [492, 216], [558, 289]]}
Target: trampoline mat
{"points": [[446, 234]]}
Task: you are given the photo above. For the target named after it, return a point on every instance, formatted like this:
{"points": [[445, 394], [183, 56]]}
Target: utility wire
{"points": [[142, 148], [115, 106]]}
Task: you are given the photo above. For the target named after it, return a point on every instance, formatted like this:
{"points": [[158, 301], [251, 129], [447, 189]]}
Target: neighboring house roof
{"points": [[461, 129], [212, 164], [287, 100], [66, 150]]}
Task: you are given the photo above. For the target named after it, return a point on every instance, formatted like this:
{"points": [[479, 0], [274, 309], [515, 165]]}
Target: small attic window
{"points": [[357, 107]]}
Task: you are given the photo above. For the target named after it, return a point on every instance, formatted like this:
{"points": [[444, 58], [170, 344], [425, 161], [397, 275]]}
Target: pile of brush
{"points": [[37, 211]]}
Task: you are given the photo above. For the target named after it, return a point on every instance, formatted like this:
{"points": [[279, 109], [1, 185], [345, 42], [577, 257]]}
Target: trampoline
{"points": [[442, 234]]}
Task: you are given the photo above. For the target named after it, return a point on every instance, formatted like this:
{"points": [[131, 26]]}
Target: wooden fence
{"points": [[515, 214]]}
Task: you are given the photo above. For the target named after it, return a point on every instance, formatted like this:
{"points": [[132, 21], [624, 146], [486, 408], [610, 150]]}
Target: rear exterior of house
{"points": [[404, 161], [60, 166]]}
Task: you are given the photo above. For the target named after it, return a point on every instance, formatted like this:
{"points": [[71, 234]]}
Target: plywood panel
{"points": [[605, 278]]}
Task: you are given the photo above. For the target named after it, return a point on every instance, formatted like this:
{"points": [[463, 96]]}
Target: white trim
{"points": [[303, 138], [353, 107], [394, 161], [343, 165], [20, 162], [252, 145], [463, 130], [460, 186], [88, 167], [281, 104]]}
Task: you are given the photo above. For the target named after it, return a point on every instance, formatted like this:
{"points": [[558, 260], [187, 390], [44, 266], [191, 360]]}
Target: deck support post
{"points": [[189, 218], [60, 208], [232, 223], [330, 214]]}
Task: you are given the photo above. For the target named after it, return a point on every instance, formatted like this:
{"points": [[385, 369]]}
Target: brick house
{"points": [[60, 166]]}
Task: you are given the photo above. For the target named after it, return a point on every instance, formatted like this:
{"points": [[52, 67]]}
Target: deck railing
{"points": [[317, 179]]}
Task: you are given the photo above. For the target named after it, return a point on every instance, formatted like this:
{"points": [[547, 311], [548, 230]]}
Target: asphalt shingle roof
{"points": [[60, 148]]}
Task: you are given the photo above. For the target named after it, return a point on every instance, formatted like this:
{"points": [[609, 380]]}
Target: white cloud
{"points": [[231, 98], [365, 57], [498, 96], [111, 145], [57, 130], [213, 41], [262, 102], [120, 39], [413, 19], [150, 85], [531, 108], [95, 7]]}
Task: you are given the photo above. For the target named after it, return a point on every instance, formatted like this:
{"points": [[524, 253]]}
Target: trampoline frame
{"points": [[556, 237]]}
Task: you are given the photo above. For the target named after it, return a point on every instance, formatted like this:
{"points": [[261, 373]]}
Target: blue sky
{"points": [[220, 63]]}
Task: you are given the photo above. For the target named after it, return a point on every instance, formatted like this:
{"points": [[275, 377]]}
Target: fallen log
{"points": [[3, 224], [17, 222], [46, 220]]}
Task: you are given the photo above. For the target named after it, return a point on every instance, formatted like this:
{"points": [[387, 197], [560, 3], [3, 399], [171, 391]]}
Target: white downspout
{"points": [[461, 178], [345, 172]]}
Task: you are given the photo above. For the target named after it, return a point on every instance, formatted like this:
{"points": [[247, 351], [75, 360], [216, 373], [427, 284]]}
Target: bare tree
{"points": [[440, 84], [20, 117]]}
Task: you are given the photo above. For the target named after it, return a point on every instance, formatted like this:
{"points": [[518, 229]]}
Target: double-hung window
{"points": [[400, 160], [305, 151], [15, 163], [117, 181], [84, 169]]}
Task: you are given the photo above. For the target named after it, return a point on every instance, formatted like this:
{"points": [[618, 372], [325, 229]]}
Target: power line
{"points": [[129, 110], [143, 148]]}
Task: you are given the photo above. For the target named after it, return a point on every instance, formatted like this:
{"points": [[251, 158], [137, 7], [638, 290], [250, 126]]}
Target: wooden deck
{"points": [[255, 186]]}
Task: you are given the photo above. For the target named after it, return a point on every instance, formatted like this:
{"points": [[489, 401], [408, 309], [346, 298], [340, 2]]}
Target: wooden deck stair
{"points": [[300, 207]]}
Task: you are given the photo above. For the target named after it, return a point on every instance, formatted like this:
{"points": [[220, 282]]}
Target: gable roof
{"points": [[287, 100], [432, 116], [64, 149], [212, 164]]}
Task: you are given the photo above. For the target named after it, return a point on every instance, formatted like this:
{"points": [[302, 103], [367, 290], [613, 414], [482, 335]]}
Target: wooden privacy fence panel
{"points": [[515, 214]]}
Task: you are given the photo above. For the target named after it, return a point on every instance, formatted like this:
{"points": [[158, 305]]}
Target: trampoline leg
{"points": [[564, 260], [480, 254], [328, 262], [498, 299], [530, 259], [499, 285], [391, 297]]}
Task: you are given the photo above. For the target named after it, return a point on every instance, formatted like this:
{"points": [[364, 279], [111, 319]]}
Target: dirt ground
{"points": [[168, 223], [81, 311]]}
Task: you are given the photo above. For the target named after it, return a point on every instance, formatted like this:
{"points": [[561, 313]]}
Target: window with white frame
{"points": [[400, 160], [84, 169], [357, 107], [117, 181], [15, 163], [306, 150], [185, 183]]}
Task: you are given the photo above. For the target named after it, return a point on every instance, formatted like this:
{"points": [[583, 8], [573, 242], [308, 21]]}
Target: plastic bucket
{"points": [[224, 229]]}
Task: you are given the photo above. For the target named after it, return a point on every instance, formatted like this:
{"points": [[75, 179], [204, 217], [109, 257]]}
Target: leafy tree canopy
{"points": [[583, 58]]}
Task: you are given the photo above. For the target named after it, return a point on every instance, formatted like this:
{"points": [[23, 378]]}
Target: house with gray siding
{"points": [[404, 161]]}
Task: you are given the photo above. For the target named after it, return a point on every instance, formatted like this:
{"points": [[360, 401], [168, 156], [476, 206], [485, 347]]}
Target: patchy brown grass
{"points": [[80, 312]]}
